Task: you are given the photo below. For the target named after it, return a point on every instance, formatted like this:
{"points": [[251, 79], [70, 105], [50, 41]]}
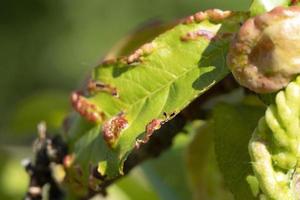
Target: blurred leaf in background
{"points": [[168, 173], [234, 125], [49, 106], [204, 175], [13, 178]]}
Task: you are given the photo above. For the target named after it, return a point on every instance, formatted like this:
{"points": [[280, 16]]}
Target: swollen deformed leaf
{"points": [[154, 83], [274, 147], [265, 54]]}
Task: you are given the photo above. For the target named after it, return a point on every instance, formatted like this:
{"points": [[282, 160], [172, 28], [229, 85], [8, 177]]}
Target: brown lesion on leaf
{"points": [[98, 86], [153, 126], [214, 15], [201, 33], [113, 127], [144, 50], [86, 109], [206, 34]]}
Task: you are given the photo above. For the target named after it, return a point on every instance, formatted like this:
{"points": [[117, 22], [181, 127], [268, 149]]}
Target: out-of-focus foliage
{"points": [[50, 45], [50, 106], [205, 178], [233, 126], [13, 178], [170, 182]]}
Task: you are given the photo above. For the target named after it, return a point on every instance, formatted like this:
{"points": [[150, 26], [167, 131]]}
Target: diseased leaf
{"points": [[274, 146], [234, 125], [261, 6], [145, 33], [134, 96]]}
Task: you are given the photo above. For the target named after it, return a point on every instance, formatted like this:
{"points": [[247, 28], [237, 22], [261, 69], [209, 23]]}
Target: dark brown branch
{"points": [[47, 150]]}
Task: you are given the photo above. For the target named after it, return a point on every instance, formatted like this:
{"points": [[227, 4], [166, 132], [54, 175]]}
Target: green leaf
{"points": [[48, 106], [274, 146], [136, 185], [261, 6], [205, 177], [165, 80], [13, 177], [234, 125], [161, 172]]}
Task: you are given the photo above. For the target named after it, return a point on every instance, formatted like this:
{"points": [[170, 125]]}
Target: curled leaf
{"points": [[274, 147], [264, 55]]}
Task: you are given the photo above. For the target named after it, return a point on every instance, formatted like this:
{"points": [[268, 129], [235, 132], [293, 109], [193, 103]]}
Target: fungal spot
{"points": [[200, 16], [146, 49], [113, 127], [217, 14], [188, 20], [86, 109], [206, 34], [194, 35], [97, 86], [214, 15], [154, 125]]}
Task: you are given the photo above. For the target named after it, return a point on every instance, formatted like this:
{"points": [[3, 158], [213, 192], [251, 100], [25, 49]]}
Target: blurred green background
{"points": [[47, 47]]}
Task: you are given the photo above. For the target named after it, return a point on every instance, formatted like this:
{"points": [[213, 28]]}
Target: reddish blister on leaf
{"points": [[214, 15], [152, 126], [113, 127], [146, 49], [264, 55], [86, 109]]}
